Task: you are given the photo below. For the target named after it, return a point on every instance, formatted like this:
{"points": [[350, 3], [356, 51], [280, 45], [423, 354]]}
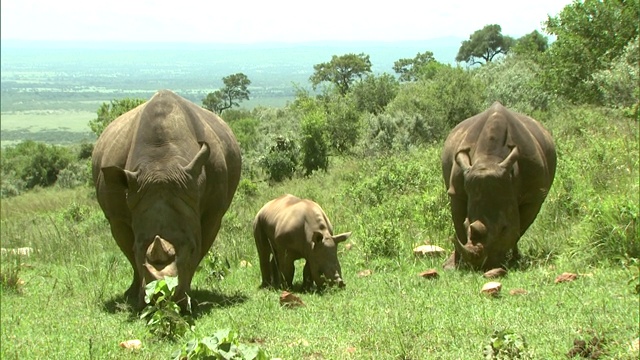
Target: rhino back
{"points": [[165, 132], [291, 221], [481, 136]]}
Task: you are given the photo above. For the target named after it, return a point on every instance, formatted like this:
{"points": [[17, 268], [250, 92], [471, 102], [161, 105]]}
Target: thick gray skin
{"points": [[498, 167], [165, 173], [289, 228]]}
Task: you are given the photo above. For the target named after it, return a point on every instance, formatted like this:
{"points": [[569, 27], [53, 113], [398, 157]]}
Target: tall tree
{"points": [[531, 44], [590, 34], [410, 69], [107, 112], [484, 44], [235, 90], [342, 71]]}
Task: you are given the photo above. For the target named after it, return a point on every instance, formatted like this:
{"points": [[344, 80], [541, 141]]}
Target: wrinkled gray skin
{"points": [[165, 173], [498, 167], [289, 228]]}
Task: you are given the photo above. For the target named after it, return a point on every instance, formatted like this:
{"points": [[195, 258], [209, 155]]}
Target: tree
{"points": [[36, 163], [373, 93], [484, 44], [234, 91], [342, 71], [590, 35], [531, 44], [110, 111], [409, 69]]}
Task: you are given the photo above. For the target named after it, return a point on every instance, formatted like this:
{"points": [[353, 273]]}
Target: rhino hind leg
{"points": [[267, 266]]}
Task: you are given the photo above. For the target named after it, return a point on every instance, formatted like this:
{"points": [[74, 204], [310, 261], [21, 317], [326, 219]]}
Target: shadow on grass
{"points": [[202, 302]]}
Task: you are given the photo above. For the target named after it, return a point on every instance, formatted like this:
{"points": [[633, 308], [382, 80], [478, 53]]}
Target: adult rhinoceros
{"points": [[498, 167], [165, 173]]}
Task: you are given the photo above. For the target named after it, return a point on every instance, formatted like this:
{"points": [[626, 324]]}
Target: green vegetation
{"points": [[484, 45], [377, 140], [235, 90], [162, 313], [110, 111]]}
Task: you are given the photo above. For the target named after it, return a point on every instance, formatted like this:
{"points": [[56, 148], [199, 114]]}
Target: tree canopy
{"points": [[342, 71], [410, 69], [484, 44], [235, 90], [590, 35], [107, 112]]}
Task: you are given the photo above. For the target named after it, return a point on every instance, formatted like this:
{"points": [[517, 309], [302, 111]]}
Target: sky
{"points": [[259, 21]]}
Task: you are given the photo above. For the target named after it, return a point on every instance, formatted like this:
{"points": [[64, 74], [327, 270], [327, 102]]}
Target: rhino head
{"points": [[493, 222], [323, 261], [165, 221]]}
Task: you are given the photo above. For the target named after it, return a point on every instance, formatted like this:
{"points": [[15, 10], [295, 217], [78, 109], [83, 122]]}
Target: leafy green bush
{"points": [[75, 174], [507, 345], [315, 145], [515, 82], [452, 95], [223, 345], [163, 314], [282, 160], [109, 111], [35, 163]]}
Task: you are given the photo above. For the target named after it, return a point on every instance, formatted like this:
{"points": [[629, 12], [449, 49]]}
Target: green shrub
{"points": [[35, 163], [507, 345], [223, 345], [163, 314], [75, 174], [315, 145], [282, 160]]}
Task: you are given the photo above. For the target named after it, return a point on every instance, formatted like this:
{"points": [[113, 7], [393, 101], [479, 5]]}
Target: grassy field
{"points": [[65, 300]]}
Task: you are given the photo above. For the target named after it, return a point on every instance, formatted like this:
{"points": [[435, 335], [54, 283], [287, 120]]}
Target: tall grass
{"points": [[70, 303]]}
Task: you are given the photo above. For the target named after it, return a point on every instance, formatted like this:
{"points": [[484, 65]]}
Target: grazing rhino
{"points": [[498, 167], [289, 228], [165, 173]]}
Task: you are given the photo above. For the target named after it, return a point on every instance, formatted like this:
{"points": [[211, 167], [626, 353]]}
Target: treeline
{"points": [[356, 112]]}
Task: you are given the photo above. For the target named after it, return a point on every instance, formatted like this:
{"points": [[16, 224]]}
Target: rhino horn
{"points": [[477, 231], [160, 251]]}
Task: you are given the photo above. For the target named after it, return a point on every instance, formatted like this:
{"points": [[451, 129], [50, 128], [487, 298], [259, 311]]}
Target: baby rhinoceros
{"points": [[289, 228]]}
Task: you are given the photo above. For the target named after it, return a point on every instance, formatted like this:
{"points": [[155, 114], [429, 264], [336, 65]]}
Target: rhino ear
{"points": [[511, 159], [194, 168], [463, 160], [118, 177], [341, 237]]}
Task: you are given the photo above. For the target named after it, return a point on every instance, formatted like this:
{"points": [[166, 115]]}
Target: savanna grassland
{"points": [[66, 298], [369, 154]]}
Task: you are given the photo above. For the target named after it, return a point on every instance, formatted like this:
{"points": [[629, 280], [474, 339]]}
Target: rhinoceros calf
{"points": [[289, 228], [165, 173], [498, 167]]}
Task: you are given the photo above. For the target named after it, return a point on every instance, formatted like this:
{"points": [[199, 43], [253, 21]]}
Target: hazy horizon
{"points": [[256, 22]]}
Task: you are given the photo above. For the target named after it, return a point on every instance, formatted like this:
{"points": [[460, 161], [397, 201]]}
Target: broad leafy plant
{"points": [[162, 313], [224, 345]]}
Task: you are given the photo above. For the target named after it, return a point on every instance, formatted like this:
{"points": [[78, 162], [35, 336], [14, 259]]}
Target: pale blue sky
{"points": [[251, 21]]}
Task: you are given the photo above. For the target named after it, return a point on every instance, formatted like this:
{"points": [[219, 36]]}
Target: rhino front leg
{"points": [[124, 238], [286, 268], [307, 280], [458, 215]]}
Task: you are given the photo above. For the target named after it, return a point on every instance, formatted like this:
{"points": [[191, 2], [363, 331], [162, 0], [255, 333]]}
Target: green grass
{"points": [[70, 305]]}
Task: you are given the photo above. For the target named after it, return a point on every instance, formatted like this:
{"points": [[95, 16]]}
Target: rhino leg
{"points": [[307, 280], [124, 238], [268, 269], [458, 215], [286, 268]]}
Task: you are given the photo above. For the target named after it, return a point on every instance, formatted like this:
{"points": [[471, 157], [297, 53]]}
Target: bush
{"points": [[76, 174], [282, 160], [315, 147], [35, 163]]}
